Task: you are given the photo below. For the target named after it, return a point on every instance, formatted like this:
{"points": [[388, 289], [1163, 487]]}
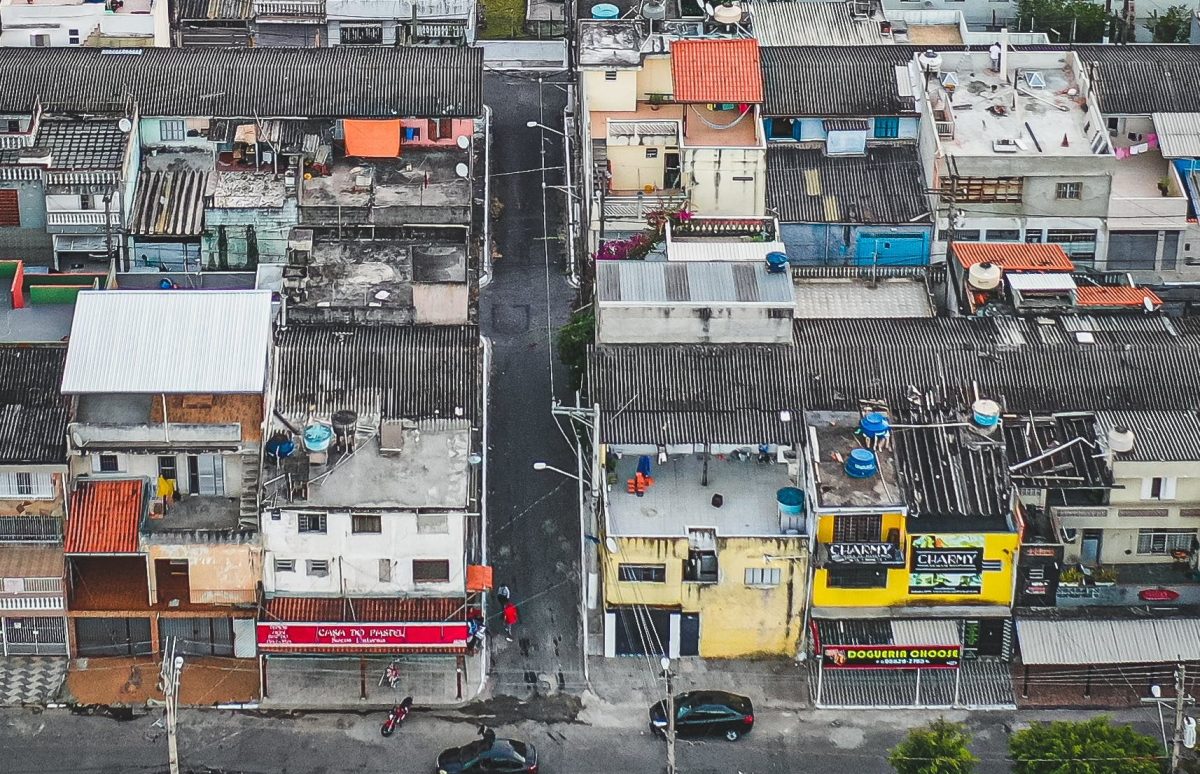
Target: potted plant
{"points": [[1072, 576], [1104, 576], [1164, 186]]}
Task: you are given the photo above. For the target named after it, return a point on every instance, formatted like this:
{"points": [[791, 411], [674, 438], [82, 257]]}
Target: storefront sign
{"points": [[891, 656], [1037, 583], [876, 554], [390, 636], [946, 564]]}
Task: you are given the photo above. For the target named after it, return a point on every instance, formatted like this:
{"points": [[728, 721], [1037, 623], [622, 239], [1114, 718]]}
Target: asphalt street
{"points": [[533, 516]]}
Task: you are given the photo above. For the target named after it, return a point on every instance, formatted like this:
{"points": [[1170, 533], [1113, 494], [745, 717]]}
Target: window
{"points": [[762, 576], [366, 523], [362, 34], [171, 130], [962, 235], [311, 523], [1003, 235], [86, 202], [1068, 190], [318, 568], [14, 126], [166, 467], [701, 564], [106, 463], [1157, 542], [10, 207], [1158, 488], [34, 486], [983, 189], [782, 128], [206, 475], [610, 75], [39, 41], [642, 573], [73, 37], [857, 528], [285, 565], [652, 153], [857, 577], [433, 524], [385, 570], [431, 570], [1080, 244], [1033, 236], [887, 127], [780, 314], [440, 128]]}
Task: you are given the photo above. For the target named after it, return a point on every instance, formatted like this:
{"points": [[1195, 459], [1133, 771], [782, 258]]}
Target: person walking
{"points": [[503, 594], [510, 619]]}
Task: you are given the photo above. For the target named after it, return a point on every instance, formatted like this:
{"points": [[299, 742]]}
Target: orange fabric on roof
{"points": [[1114, 296], [373, 139], [1014, 256], [720, 70], [104, 517]]}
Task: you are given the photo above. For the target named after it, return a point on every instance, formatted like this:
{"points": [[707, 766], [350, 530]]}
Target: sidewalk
{"points": [[31, 679], [133, 681], [336, 684]]}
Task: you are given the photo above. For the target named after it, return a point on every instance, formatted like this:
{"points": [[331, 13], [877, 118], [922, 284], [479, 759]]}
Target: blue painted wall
{"points": [[820, 244], [813, 129]]}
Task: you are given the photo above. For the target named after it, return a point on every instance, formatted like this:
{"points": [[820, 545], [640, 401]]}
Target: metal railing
{"points": [[31, 529]]}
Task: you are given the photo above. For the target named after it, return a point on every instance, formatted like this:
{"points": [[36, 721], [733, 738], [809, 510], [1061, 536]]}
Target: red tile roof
{"points": [[1014, 256], [1114, 296], [104, 517], [719, 70], [364, 609]]}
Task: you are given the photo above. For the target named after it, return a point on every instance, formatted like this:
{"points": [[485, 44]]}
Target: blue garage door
{"points": [[892, 249]]}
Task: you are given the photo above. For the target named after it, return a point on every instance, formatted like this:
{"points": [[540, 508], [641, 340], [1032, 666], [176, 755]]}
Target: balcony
{"points": [[74, 218], [1171, 584], [290, 10], [702, 128], [635, 207], [1147, 193], [31, 578], [30, 529]]}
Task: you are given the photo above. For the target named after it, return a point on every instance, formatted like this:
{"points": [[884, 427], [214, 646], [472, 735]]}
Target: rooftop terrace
{"points": [[701, 127], [833, 435]]}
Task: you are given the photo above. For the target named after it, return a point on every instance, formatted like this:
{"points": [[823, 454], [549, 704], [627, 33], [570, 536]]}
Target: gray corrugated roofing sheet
{"points": [[169, 341], [169, 203], [884, 186], [33, 415], [1159, 436], [338, 82], [830, 81], [1178, 134], [820, 23], [925, 632], [82, 144], [1141, 80], [691, 282], [1080, 642]]}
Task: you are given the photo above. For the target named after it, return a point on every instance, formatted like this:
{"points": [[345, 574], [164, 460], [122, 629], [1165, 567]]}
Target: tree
{"points": [[939, 748], [1058, 18], [1092, 746], [1172, 26], [573, 340]]}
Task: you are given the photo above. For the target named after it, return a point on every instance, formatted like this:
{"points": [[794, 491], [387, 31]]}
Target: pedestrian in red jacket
{"points": [[510, 619]]}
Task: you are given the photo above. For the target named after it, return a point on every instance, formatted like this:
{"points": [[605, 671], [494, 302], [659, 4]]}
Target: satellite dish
{"points": [[461, 170], [463, 141], [125, 125], [611, 545]]}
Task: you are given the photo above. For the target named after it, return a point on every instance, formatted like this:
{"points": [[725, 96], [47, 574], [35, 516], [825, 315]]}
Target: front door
{"points": [[1089, 550], [689, 634]]}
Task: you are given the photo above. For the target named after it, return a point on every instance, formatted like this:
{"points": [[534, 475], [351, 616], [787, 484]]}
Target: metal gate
{"points": [[35, 636], [113, 636], [642, 631], [199, 636]]}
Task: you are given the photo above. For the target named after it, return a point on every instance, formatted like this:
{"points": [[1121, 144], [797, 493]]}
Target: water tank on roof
{"points": [[1120, 439], [861, 463], [777, 263], [986, 412], [930, 61], [655, 10], [317, 438], [874, 425], [605, 11], [791, 500], [984, 276]]}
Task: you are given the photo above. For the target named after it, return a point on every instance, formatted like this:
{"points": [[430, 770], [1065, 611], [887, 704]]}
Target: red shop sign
{"points": [[369, 635], [1158, 595]]}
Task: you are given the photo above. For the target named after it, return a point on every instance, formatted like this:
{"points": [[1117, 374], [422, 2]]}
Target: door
{"points": [[206, 474], [885, 249], [642, 631], [35, 636], [113, 636], [1089, 549], [199, 636], [689, 634], [671, 176]]}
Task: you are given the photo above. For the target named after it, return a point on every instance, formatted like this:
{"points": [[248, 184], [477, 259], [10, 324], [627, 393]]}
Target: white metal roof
{"points": [[685, 283], [1066, 642], [1051, 282], [925, 632], [1178, 134], [169, 341], [715, 250]]}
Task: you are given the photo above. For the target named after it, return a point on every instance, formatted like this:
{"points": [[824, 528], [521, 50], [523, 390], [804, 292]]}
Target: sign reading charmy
{"points": [[450, 634], [946, 564], [891, 656], [877, 554]]}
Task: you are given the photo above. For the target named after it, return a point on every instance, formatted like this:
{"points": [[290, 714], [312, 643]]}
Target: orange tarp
{"points": [[373, 139], [479, 577]]}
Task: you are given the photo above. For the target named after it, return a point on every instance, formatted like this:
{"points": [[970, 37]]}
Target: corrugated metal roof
{"points": [[884, 186], [1013, 256], [364, 609], [1048, 282], [1178, 134], [716, 70], [828, 81], [337, 82], [169, 203], [691, 282], [169, 341], [1158, 436], [207, 10], [717, 250], [925, 632], [104, 517], [33, 415], [1114, 295], [1143, 79], [804, 23], [1080, 642]]}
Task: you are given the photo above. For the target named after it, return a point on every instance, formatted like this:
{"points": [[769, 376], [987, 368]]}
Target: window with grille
{"points": [[317, 568], [1003, 235], [887, 127], [10, 207], [1068, 190], [362, 34], [431, 570], [857, 528], [1157, 542], [983, 189], [285, 565], [366, 524], [33, 486], [73, 37], [762, 576], [171, 130], [311, 522], [642, 573], [610, 75]]}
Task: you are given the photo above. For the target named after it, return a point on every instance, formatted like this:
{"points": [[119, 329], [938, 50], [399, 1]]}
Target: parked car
{"points": [[706, 713], [490, 756]]}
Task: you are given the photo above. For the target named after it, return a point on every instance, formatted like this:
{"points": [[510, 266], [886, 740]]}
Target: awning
{"points": [[925, 633], [1086, 642], [372, 139], [1178, 134], [83, 243]]}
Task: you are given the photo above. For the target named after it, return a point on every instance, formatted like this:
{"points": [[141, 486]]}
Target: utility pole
{"points": [[1181, 698], [172, 668], [1184, 734], [666, 665]]}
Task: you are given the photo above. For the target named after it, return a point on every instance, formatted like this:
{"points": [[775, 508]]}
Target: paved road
{"points": [[533, 532]]}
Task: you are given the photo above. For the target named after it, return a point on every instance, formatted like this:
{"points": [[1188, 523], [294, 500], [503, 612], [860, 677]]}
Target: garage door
{"points": [[35, 636], [199, 636], [642, 631], [113, 636]]}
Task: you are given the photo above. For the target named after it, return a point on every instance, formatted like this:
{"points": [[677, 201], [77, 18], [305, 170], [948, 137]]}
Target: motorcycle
{"points": [[396, 716]]}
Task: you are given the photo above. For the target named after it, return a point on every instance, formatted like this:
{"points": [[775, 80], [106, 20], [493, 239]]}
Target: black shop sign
{"points": [[875, 554]]}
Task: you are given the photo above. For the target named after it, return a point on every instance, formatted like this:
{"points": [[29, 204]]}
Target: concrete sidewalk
{"points": [[630, 681], [337, 684], [132, 681]]}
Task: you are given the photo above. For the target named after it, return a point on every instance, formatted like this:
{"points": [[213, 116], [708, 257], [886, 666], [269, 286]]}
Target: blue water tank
{"points": [[791, 500], [861, 463], [777, 263], [605, 11], [874, 425], [317, 438]]}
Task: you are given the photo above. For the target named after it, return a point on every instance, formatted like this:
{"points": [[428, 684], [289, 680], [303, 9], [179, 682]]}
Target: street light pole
{"points": [[666, 665], [172, 667], [1180, 700]]}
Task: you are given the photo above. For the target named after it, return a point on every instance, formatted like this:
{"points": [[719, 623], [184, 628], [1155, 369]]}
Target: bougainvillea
{"points": [[639, 245]]}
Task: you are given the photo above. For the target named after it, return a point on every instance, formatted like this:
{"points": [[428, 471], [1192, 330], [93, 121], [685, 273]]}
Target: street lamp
{"points": [[537, 125], [666, 667], [560, 471]]}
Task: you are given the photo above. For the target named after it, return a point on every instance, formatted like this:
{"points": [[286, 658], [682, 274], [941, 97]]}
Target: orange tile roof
{"points": [[720, 70], [364, 609], [1114, 296], [1014, 256], [104, 517]]}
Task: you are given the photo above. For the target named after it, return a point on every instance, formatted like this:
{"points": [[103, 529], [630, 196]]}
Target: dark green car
{"points": [[706, 713]]}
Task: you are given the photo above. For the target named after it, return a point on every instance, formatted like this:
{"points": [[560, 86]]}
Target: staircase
{"points": [[248, 508]]}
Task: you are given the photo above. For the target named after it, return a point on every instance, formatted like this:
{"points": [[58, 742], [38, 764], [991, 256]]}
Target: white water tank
{"points": [[930, 61], [1120, 439], [984, 276]]}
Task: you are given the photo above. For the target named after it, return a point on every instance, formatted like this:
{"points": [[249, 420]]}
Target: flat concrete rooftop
{"points": [[194, 513], [836, 437], [422, 177], [678, 500]]}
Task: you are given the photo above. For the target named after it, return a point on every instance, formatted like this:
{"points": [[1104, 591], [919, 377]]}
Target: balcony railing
{"points": [[30, 529], [83, 218], [636, 207]]}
